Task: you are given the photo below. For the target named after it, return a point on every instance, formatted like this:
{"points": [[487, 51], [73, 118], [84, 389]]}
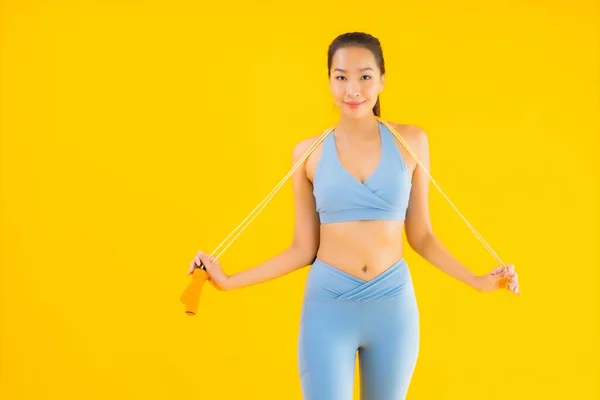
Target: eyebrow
{"points": [[362, 69]]}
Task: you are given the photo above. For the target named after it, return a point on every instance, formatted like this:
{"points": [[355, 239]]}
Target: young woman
{"points": [[354, 196]]}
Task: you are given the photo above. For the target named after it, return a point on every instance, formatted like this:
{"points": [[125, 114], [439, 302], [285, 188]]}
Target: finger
{"points": [[497, 270], [203, 257], [192, 268]]}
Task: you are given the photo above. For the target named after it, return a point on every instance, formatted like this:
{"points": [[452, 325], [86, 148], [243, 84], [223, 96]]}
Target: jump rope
{"points": [[191, 296]]}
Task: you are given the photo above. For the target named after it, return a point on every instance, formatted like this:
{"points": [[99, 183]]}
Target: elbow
{"points": [[419, 242], [304, 254]]}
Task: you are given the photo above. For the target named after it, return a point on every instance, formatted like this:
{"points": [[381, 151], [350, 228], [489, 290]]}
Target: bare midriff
{"points": [[363, 249]]}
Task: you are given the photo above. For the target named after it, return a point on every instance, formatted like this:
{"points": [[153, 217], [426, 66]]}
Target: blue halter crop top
{"points": [[339, 196]]}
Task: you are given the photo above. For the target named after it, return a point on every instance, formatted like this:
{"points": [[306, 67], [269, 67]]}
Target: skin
{"points": [[364, 249]]}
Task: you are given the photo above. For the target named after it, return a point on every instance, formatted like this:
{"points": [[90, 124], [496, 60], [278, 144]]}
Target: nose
{"points": [[352, 90]]}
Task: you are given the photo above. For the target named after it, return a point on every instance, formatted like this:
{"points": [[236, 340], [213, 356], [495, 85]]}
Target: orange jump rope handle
{"points": [[191, 296]]}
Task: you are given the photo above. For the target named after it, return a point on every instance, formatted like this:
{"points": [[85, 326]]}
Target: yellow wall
{"points": [[133, 135]]}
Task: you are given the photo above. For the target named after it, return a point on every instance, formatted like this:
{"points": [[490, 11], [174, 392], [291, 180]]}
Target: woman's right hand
{"points": [[216, 276]]}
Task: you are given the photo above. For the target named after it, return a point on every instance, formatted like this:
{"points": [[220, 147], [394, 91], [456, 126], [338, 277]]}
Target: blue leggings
{"points": [[342, 314]]}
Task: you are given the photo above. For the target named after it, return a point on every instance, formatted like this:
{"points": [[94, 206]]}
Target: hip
{"points": [[329, 283]]}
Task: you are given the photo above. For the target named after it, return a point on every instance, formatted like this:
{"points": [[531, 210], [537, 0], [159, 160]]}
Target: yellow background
{"points": [[134, 134]]}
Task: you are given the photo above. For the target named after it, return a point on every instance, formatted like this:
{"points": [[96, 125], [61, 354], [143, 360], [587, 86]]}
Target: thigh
{"points": [[327, 345], [388, 356]]}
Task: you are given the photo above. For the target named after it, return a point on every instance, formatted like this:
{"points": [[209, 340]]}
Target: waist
{"points": [[353, 245]]}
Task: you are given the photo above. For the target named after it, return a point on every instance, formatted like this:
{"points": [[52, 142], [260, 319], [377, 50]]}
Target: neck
{"points": [[358, 128]]}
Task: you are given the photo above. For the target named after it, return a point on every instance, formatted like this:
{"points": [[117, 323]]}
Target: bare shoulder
{"points": [[409, 132], [415, 137], [302, 147], [310, 163]]}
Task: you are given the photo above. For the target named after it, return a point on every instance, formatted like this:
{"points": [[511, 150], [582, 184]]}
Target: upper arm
{"points": [[306, 218], [418, 222]]}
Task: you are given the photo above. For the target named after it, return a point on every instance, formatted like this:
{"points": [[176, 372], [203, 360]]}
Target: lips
{"points": [[354, 105]]}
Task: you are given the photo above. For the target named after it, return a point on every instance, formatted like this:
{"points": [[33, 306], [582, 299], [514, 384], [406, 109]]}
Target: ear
{"points": [[382, 83]]}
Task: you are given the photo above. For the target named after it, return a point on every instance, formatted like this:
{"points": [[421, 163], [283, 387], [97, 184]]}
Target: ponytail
{"points": [[377, 108]]}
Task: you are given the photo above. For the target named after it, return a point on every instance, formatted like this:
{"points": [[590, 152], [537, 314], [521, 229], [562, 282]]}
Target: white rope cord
{"points": [[273, 192], [477, 235]]}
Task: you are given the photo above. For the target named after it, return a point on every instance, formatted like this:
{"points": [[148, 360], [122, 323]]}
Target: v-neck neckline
{"points": [[381, 150]]}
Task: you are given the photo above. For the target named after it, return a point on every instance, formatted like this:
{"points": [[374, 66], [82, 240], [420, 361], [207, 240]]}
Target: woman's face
{"points": [[355, 81]]}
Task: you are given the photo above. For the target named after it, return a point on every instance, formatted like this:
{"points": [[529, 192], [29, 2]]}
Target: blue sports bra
{"points": [[339, 196]]}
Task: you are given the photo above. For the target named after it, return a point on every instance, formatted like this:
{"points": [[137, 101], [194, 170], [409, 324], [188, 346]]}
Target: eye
{"points": [[343, 77]]}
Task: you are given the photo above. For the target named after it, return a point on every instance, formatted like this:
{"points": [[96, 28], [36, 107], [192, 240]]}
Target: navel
{"points": [[364, 269]]}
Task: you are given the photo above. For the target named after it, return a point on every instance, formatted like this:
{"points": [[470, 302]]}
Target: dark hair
{"points": [[358, 39]]}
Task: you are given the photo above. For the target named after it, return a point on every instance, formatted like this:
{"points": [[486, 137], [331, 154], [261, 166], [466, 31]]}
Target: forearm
{"points": [[285, 262], [432, 250]]}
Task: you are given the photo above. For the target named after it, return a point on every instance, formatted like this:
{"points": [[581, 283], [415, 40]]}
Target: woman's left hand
{"points": [[500, 277]]}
